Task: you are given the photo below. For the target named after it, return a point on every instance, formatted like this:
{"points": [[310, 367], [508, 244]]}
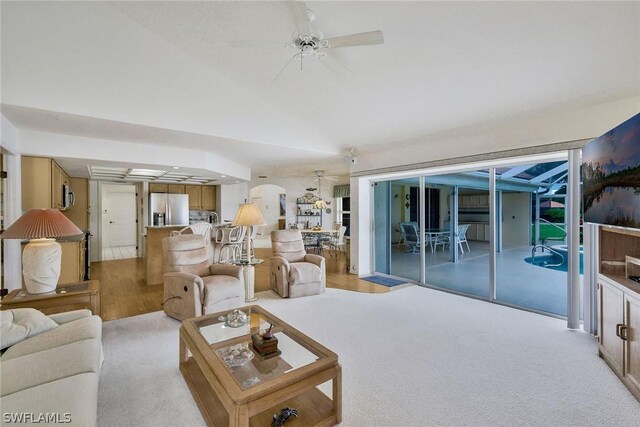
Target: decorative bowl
{"points": [[235, 319], [235, 355]]}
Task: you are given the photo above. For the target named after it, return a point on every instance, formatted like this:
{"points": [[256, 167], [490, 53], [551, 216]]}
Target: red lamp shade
{"points": [[41, 223]]}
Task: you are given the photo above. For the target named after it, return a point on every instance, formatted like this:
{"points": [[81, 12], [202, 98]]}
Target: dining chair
{"points": [[336, 243], [229, 241]]}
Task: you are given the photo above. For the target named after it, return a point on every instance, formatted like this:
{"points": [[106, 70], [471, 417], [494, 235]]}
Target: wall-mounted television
{"points": [[611, 176]]}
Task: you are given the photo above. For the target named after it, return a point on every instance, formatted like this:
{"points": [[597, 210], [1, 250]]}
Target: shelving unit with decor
{"points": [[305, 212], [619, 304]]}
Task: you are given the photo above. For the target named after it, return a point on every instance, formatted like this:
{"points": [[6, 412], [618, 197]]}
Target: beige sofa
{"points": [[54, 373]]}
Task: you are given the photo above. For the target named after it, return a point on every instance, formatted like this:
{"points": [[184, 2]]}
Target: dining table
{"points": [[434, 236], [317, 236]]}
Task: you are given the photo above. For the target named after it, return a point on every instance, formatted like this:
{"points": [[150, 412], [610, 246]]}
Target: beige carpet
{"points": [[413, 357]]}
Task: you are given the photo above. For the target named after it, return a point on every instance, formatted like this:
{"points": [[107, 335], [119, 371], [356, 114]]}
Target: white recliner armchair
{"points": [[294, 273]]}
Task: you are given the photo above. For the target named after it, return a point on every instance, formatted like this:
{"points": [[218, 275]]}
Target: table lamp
{"points": [[248, 215], [42, 256]]}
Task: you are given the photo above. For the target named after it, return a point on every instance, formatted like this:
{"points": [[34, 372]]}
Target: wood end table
{"points": [[68, 297]]}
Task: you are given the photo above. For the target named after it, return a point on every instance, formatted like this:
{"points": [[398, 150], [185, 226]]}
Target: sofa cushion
{"points": [[67, 333], [219, 288], [304, 272], [74, 397], [21, 323], [38, 368]]}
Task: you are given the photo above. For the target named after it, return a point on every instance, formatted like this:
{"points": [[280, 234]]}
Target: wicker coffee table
{"points": [[247, 391]]}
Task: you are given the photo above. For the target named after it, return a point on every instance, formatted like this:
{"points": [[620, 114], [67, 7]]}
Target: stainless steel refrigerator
{"points": [[174, 208]]}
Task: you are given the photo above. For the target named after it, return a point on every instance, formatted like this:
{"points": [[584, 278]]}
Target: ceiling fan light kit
{"points": [[312, 43]]}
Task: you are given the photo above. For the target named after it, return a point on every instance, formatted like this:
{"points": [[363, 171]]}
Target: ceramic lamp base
{"points": [[41, 262]]}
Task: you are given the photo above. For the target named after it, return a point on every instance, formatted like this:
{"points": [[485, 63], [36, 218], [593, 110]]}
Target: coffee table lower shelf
{"points": [[315, 408]]}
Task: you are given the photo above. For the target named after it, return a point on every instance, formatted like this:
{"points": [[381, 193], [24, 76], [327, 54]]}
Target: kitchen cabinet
{"points": [[473, 201], [158, 188], [176, 189], [209, 198], [79, 212], [479, 232], [42, 183], [195, 196]]}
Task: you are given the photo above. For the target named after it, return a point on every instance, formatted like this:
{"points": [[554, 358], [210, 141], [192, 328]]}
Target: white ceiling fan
{"points": [[311, 43]]}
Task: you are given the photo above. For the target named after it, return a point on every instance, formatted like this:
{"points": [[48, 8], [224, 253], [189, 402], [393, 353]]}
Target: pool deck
{"points": [[518, 282]]}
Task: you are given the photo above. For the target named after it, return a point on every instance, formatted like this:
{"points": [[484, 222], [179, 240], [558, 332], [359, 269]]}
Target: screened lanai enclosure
{"points": [[440, 226]]}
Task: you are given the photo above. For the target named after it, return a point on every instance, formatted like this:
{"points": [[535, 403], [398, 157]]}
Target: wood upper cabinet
{"points": [[209, 198], [176, 189], [42, 183], [158, 188], [195, 196]]}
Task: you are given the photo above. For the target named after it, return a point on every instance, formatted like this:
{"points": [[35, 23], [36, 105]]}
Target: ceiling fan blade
{"points": [[300, 17], [360, 39], [336, 66], [297, 55]]}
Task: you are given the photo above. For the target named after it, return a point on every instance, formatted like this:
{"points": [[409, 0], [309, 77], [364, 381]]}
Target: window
{"points": [[343, 213]]}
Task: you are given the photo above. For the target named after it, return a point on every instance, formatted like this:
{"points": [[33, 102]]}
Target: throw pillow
{"points": [[21, 323]]}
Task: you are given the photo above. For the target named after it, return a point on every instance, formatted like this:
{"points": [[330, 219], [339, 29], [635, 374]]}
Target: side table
{"points": [[249, 276], [72, 296]]}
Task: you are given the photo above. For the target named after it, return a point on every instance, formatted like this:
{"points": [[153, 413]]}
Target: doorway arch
{"points": [[267, 198]]}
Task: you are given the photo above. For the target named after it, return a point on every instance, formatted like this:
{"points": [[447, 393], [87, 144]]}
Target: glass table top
{"points": [[233, 346]]}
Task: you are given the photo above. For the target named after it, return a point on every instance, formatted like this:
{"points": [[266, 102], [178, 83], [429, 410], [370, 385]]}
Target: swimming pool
{"points": [[559, 262]]}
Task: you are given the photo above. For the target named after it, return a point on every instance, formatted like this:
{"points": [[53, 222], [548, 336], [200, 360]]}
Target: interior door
{"points": [[122, 218]]}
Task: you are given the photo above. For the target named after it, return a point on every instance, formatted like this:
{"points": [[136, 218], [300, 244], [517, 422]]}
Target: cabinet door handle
{"points": [[623, 336], [618, 326]]}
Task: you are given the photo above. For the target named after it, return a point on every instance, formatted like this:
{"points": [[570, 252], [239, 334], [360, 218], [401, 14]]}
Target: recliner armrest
{"points": [[226, 270], [314, 259], [279, 261], [69, 316], [176, 276]]}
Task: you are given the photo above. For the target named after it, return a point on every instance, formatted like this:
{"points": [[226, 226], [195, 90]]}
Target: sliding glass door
{"points": [[456, 235], [497, 234], [532, 258]]}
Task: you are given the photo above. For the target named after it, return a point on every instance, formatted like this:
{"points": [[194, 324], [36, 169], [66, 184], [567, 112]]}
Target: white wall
{"points": [[47, 144], [270, 196], [10, 146], [504, 134], [361, 227], [229, 198], [297, 187], [94, 218]]}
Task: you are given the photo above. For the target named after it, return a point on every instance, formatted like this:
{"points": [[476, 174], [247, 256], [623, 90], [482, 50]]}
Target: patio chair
{"points": [[462, 237], [412, 238]]}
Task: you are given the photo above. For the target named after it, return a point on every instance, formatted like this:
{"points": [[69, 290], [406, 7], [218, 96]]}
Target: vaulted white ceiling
{"points": [[201, 74]]}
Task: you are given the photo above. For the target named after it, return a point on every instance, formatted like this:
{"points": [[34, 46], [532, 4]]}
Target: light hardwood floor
{"points": [[124, 293], [119, 252]]}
